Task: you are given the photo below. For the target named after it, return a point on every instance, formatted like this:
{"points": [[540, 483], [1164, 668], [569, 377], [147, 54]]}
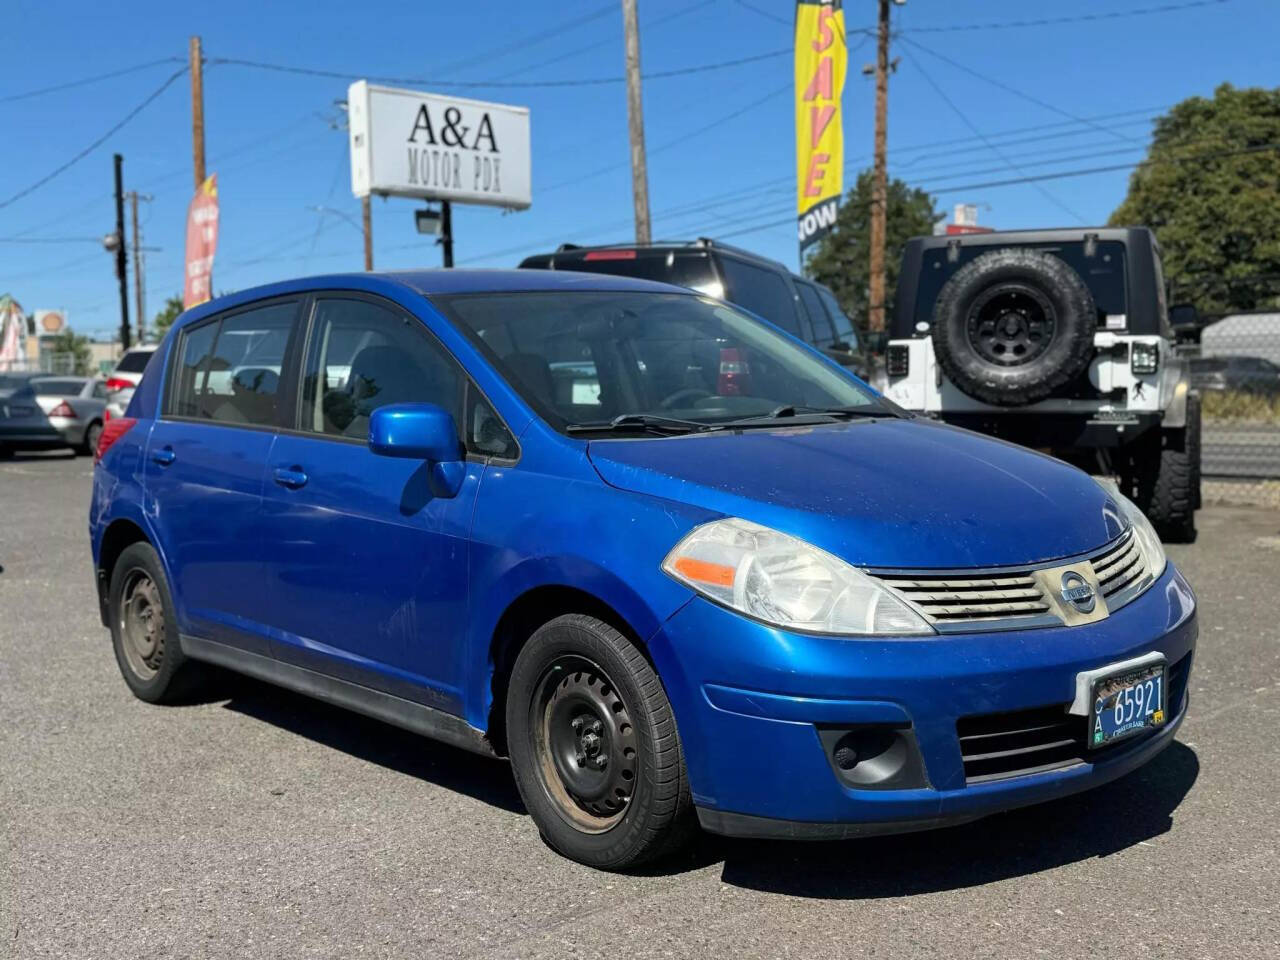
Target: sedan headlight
{"points": [[786, 582], [1145, 534]]}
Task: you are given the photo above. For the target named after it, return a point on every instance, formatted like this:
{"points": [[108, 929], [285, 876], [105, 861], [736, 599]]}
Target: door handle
{"points": [[293, 479], [164, 456]]}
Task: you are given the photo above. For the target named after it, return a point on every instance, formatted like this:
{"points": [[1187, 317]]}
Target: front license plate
{"points": [[1127, 703]]}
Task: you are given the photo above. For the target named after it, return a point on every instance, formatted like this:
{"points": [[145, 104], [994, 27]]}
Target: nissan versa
{"points": [[675, 564]]}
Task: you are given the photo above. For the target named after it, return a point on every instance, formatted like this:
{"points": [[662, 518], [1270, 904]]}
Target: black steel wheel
{"points": [[1011, 325], [144, 631], [594, 747]]}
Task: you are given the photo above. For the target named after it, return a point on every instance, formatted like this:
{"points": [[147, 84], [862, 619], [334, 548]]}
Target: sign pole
{"points": [[366, 221], [446, 232], [121, 261]]}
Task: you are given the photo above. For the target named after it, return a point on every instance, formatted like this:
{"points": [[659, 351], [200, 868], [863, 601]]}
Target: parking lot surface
{"points": [[262, 824]]}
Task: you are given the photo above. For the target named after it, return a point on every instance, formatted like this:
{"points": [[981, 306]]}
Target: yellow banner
{"points": [[821, 60]]}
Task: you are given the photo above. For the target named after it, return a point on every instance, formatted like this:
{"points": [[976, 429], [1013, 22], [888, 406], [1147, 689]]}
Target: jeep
{"points": [[1059, 340]]}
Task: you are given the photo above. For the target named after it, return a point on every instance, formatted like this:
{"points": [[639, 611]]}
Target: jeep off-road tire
{"points": [[144, 630], [1193, 444], [1166, 481], [1012, 326], [594, 747]]}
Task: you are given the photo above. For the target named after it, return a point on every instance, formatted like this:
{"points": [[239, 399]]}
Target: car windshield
{"points": [[586, 357]]}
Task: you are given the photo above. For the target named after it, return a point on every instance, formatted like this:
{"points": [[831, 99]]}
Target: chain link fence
{"points": [[1236, 368], [60, 364]]}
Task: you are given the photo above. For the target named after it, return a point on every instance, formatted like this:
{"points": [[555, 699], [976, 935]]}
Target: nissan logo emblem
{"points": [[1077, 592]]}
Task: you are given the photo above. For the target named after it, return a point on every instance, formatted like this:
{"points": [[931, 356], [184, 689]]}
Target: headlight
{"points": [[1145, 534], [786, 582]]}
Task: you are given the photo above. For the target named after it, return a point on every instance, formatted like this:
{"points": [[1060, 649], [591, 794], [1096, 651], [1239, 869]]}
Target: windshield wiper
{"points": [[790, 410], [643, 421]]}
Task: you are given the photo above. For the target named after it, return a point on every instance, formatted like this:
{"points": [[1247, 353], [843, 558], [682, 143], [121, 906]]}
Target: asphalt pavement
{"points": [[262, 824]]}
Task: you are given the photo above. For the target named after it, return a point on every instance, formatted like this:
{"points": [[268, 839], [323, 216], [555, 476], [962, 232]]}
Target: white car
{"points": [[126, 377]]}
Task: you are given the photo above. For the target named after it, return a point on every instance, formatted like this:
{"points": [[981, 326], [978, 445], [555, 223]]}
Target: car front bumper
{"points": [[758, 710]]}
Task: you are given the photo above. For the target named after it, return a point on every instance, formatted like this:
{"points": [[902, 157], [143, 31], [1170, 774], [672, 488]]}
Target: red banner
{"points": [[202, 243]]}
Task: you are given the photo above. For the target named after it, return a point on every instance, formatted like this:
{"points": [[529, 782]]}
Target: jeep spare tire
{"points": [[1012, 326]]}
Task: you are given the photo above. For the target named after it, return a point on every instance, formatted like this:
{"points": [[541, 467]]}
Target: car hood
{"points": [[879, 493]]}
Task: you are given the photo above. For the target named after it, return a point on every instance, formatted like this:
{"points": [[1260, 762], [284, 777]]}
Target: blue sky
{"points": [[721, 151]]}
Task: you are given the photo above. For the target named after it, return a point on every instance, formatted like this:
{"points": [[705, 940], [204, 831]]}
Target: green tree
{"points": [[70, 344], [841, 259], [1215, 213], [169, 313]]}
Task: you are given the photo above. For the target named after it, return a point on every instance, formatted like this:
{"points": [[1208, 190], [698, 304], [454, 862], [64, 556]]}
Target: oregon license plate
{"points": [[1127, 703]]}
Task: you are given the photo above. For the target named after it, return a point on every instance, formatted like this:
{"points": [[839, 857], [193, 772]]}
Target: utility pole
{"points": [[121, 258], [635, 118], [366, 224], [879, 177], [446, 232], [197, 109], [139, 297]]}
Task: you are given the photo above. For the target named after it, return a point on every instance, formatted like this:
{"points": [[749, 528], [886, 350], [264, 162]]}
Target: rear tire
{"points": [[594, 746], [91, 435], [1166, 481], [1193, 444], [144, 631]]}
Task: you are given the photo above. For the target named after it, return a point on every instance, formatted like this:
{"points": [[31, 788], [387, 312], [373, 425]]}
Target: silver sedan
{"points": [[74, 406]]}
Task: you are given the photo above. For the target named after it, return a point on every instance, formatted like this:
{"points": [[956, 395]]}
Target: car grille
{"points": [[1121, 571], [995, 746], [1007, 599], [957, 598]]}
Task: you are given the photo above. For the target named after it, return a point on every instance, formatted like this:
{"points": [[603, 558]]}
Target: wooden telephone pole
{"points": [[197, 109], [139, 297], [635, 117], [879, 176]]}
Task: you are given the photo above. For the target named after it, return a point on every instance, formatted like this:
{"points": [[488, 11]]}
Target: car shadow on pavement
{"points": [[486, 779], [1094, 824]]}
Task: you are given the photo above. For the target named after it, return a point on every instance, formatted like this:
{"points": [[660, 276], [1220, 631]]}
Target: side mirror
{"points": [[416, 431]]}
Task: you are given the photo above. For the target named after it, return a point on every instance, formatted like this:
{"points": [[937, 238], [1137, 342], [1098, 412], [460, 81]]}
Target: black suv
{"points": [[1060, 340], [801, 307]]}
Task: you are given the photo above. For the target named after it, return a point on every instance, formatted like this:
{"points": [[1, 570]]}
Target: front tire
{"points": [[594, 746], [144, 631]]}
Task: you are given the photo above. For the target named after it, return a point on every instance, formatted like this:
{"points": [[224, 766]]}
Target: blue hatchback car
{"points": [[679, 567]]}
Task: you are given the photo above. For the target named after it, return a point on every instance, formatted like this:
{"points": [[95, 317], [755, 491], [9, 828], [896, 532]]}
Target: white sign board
{"points": [[405, 143]]}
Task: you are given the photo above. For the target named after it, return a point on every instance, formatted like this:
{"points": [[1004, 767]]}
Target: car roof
{"points": [[1050, 235], [430, 283], [698, 247]]}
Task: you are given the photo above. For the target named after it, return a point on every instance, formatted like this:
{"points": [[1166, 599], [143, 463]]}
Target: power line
{"points": [[1079, 18], [423, 81], [1057, 175], [1003, 86], [96, 143], [50, 239], [983, 137], [70, 84], [764, 13]]}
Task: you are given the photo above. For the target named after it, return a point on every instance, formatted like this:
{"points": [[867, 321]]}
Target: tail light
{"points": [[735, 373], [1145, 357], [118, 383], [897, 360], [112, 430], [63, 409]]}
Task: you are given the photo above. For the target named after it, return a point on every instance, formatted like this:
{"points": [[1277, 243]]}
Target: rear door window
{"points": [[822, 332], [763, 292], [229, 370], [844, 326]]}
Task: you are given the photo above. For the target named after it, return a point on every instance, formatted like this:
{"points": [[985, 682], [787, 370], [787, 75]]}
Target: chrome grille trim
{"points": [[1012, 598], [1122, 571]]}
